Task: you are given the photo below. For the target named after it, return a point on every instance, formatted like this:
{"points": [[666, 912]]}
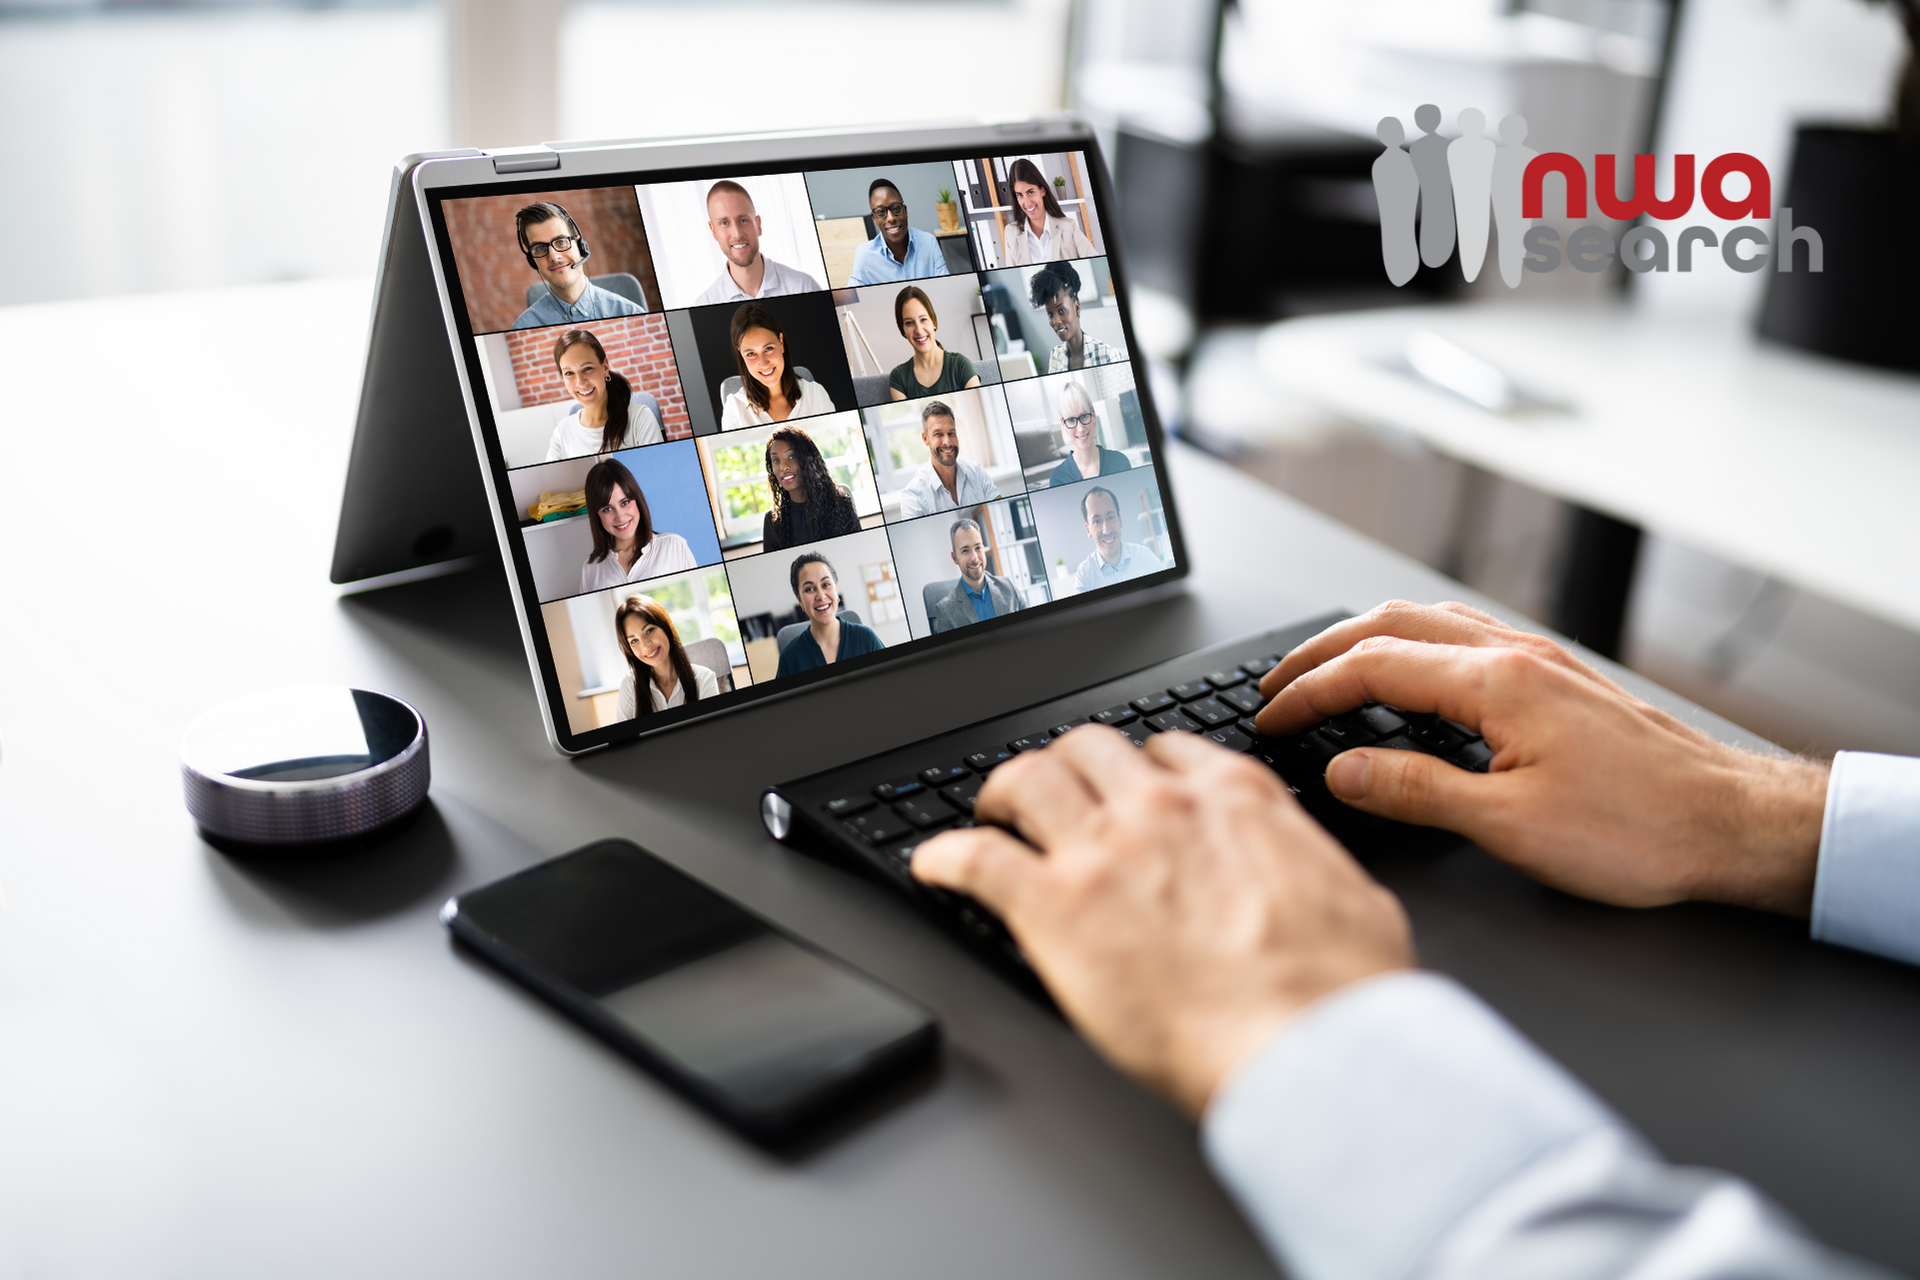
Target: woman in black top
{"points": [[807, 505]]}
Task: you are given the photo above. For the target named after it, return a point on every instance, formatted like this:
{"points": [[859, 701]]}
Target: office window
{"points": [[740, 472]]}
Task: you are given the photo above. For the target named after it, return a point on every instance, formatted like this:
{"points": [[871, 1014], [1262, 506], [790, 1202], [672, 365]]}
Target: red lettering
{"points": [[1644, 200], [1536, 175], [1759, 199]]}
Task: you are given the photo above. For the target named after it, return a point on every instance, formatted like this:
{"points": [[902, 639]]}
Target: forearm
{"points": [[1400, 1129]]}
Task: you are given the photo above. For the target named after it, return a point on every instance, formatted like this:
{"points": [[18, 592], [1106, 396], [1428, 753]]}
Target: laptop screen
{"points": [[756, 429]]}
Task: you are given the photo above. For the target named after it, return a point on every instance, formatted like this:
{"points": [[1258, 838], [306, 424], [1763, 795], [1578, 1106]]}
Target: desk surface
{"points": [[216, 1068], [1799, 466]]}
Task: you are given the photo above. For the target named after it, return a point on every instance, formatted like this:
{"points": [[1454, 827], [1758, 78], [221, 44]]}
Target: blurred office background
{"points": [[231, 143]]}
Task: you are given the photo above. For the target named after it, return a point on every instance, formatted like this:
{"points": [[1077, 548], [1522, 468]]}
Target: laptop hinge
{"points": [[526, 161]]}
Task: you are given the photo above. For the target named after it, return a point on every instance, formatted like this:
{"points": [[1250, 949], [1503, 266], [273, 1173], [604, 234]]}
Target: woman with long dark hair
{"points": [[657, 660], [807, 505], [770, 391], [626, 546], [933, 370], [604, 418], [828, 637], [1037, 229]]}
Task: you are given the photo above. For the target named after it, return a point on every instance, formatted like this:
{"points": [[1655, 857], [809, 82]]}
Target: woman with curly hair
{"points": [[807, 505], [656, 660], [1038, 229], [770, 391]]}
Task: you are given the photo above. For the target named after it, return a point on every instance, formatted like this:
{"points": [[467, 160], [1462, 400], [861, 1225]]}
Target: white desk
{"points": [[1797, 466]]}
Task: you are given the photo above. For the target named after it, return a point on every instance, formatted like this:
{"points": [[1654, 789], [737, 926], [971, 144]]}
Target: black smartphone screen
{"points": [[759, 1026]]}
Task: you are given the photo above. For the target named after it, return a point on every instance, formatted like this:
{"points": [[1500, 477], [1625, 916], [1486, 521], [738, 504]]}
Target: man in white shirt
{"points": [[948, 480], [1113, 559], [750, 274], [1376, 1122]]}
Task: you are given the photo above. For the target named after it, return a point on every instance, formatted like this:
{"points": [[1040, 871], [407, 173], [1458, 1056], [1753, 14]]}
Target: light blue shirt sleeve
{"points": [[1401, 1130], [1866, 889]]}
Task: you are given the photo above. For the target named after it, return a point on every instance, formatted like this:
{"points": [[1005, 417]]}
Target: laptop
{"points": [[747, 415]]}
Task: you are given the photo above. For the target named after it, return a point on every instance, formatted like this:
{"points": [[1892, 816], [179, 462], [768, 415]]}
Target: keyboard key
{"points": [[1209, 712], [1064, 728], [940, 775], [1246, 701], [1117, 716], [1230, 738], [898, 789], [1438, 738], [880, 827], [1152, 702], [1310, 750], [961, 795], [1137, 733], [1384, 721], [1458, 728], [847, 806], [1348, 732], [1475, 757], [1031, 743], [986, 761], [1399, 742], [1259, 666], [1226, 679], [1172, 722], [924, 812], [1190, 690]]}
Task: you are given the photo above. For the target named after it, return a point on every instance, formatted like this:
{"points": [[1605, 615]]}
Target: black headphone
{"points": [[520, 233]]}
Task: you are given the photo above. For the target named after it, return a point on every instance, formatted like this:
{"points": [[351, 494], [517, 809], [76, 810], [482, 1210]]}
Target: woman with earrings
{"points": [[605, 419], [808, 506]]}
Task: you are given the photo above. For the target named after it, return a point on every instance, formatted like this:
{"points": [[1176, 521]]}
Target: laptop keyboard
{"points": [[883, 814]]}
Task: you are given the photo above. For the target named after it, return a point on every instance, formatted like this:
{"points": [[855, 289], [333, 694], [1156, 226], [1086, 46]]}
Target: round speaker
{"points": [[304, 766]]}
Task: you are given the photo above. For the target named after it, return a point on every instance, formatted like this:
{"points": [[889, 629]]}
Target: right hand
{"points": [[1591, 790]]}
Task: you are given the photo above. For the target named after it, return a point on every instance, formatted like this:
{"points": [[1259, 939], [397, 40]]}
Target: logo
{"points": [[1470, 187]]}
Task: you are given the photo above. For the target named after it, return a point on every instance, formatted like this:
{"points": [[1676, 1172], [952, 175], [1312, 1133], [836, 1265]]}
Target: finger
{"points": [[1410, 787], [1435, 624], [981, 862], [1449, 679], [1184, 752], [1105, 760], [1039, 794]]}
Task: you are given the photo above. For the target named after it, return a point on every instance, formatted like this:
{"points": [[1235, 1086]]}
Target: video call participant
{"points": [[1113, 559], [626, 546], [827, 638], [750, 274], [1086, 457], [1055, 289], [897, 251], [947, 480], [1037, 229], [933, 370], [656, 658], [978, 595], [607, 420], [554, 247], [807, 505], [770, 391]]}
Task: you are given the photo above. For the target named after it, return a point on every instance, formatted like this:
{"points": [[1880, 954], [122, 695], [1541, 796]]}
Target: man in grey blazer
{"points": [[978, 595]]}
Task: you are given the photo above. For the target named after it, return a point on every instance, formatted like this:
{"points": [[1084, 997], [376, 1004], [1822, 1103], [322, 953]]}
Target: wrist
{"points": [[1773, 855]]}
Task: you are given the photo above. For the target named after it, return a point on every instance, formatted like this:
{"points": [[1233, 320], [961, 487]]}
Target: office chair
{"points": [[620, 282]]}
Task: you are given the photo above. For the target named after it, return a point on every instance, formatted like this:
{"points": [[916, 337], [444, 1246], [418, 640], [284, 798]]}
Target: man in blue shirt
{"points": [[978, 595], [897, 251], [554, 247]]}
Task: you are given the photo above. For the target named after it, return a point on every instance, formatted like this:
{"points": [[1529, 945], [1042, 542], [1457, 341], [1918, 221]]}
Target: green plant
{"points": [[1060, 183], [946, 195]]}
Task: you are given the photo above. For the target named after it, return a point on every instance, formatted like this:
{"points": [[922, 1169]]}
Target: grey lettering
{"points": [[1630, 249], [1745, 235], [1690, 237], [1589, 248], [1786, 235], [1545, 241]]}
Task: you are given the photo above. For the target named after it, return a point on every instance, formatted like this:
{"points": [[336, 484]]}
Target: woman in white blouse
{"points": [[656, 658], [626, 546], [1037, 229], [605, 419], [770, 391]]}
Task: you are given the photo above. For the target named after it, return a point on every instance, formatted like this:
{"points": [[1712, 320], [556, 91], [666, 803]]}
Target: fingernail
{"points": [[1350, 775]]}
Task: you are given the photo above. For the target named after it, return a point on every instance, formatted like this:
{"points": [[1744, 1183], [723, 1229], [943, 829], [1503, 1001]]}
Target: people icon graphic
{"points": [[1459, 186]]}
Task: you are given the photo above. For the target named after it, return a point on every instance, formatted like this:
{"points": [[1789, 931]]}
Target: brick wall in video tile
{"points": [[494, 275], [636, 346]]}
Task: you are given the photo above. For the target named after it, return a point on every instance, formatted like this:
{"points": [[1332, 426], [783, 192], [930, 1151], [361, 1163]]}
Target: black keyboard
{"points": [[876, 811]]}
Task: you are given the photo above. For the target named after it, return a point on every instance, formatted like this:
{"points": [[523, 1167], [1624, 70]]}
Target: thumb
{"points": [[1408, 786]]}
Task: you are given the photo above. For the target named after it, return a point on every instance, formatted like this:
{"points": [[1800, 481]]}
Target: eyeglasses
{"points": [[1077, 420], [539, 247], [894, 210]]}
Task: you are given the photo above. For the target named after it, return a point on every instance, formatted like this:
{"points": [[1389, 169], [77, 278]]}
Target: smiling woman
{"points": [[626, 546]]}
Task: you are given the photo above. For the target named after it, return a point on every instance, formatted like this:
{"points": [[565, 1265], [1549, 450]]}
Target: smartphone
{"points": [[764, 1031]]}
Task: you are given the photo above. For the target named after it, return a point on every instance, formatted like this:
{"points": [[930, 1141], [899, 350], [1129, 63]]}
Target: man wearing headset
{"points": [[554, 247]]}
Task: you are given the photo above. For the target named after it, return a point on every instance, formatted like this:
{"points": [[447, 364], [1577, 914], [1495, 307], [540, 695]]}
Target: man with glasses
{"points": [[897, 251], [1114, 559], [555, 248]]}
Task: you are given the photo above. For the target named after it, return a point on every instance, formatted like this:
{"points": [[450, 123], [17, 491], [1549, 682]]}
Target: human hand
{"points": [[1175, 899], [1590, 790]]}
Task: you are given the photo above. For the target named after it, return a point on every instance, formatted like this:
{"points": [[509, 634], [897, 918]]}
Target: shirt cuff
{"points": [[1866, 888], [1375, 1120]]}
